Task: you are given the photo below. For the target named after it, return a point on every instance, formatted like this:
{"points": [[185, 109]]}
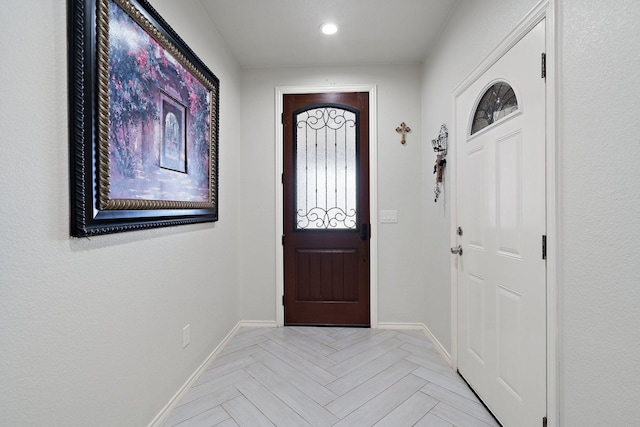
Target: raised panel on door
{"points": [[326, 275]]}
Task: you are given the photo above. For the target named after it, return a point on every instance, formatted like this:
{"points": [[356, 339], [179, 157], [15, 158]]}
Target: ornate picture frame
{"points": [[143, 112]]}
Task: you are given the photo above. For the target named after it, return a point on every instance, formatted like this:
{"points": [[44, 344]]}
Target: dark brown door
{"points": [[326, 209]]}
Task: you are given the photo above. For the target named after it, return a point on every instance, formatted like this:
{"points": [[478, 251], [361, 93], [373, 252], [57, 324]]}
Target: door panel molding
{"points": [[544, 10], [280, 91]]}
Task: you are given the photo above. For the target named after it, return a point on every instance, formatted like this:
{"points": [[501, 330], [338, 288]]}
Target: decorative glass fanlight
{"points": [[497, 102]]}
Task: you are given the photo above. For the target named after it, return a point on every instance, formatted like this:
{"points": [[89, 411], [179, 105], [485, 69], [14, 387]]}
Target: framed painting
{"points": [[143, 112]]}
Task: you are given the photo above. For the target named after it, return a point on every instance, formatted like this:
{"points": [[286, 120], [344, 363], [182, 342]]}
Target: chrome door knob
{"points": [[457, 250]]}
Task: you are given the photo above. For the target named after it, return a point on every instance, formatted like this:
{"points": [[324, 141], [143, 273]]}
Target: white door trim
{"points": [[545, 9], [373, 190]]}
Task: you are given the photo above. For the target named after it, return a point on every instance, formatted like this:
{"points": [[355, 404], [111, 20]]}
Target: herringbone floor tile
{"points": [[304, 376]]}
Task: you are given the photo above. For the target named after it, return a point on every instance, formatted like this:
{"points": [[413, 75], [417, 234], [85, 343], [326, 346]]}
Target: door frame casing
{"points": [[280, 91], [545, 9]]}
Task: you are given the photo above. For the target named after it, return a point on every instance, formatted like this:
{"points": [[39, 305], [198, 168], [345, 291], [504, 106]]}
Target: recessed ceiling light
{"points": [[329, 28]]}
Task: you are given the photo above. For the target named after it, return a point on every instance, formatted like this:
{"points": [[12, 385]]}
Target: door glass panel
{"points": [[497, 102], [325, 169]]}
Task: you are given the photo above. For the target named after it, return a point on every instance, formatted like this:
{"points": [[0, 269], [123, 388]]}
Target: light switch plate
{"points": [[388, 217]]}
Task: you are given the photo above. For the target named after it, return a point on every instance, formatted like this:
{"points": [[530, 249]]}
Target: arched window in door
{"points": [[497, 102], [326, 167]]}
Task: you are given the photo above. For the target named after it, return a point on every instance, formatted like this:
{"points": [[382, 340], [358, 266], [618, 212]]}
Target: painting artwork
{"points": [[153, 160]]}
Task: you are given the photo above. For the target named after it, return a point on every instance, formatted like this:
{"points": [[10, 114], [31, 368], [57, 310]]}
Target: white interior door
{"points": [[500, 164]]}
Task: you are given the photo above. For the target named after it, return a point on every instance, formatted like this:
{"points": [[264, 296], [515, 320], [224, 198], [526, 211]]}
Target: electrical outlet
{"points": [[186, 336]]}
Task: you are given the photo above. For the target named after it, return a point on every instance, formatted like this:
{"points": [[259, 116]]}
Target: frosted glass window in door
{"points": [[325, 169], [497, 102]]}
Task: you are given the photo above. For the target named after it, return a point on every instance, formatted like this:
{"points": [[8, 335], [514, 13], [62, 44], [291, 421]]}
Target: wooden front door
{"points": [[326, 209]]}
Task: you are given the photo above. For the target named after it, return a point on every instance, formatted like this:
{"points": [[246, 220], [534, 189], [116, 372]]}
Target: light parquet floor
{"points": [[305, 376]]}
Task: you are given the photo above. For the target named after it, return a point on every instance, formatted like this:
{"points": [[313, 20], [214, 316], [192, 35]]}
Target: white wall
{"points": [[598, 193], [401, 292], [599, 212], [91, 329]]}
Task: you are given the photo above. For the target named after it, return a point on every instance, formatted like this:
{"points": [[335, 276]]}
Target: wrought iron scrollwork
{"points": [[326, 169], [326, 117], [319, 218]]}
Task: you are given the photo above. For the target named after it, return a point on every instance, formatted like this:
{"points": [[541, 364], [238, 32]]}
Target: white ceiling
{"points": [[285, 33]]}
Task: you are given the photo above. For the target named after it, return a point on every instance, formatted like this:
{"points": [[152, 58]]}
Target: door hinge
{"points": [[281, 118], [544, 247], [283, 240], [282, 178], [544, 421], [543, 66], [282, 299]]}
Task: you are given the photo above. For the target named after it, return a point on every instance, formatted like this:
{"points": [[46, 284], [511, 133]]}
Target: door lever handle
{"points": [[364, 232], [457, 250]]}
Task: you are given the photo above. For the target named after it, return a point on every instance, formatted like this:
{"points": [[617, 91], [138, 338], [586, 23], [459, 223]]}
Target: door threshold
{"points": [[328, 325]]}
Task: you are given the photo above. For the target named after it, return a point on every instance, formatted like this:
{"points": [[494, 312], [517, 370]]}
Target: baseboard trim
{"points": [[420, 327], [401, 326], [173, 402], [257, 324]]}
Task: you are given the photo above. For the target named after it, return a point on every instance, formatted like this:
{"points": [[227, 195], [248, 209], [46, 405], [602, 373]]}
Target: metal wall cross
{"points": [[403, 129]]}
